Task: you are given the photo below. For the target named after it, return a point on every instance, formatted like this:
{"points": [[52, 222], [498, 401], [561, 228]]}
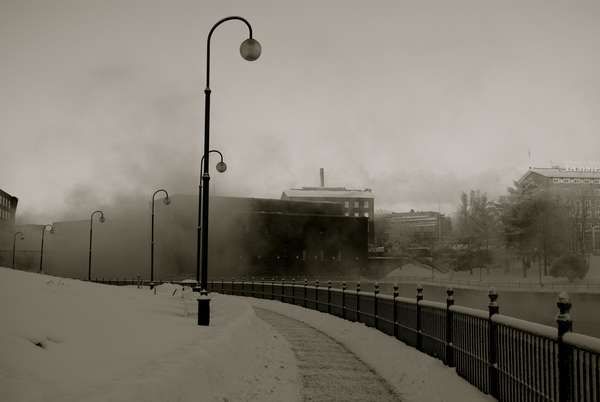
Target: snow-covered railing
{"points": [[509, 358]]}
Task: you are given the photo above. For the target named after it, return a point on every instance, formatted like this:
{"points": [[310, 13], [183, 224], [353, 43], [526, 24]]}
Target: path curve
{"points": [[328, 370]]}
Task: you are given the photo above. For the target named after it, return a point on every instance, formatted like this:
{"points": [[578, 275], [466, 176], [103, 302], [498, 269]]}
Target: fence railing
{"points": [[508, 358]]}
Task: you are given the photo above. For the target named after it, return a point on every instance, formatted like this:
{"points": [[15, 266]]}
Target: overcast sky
{"points": [[103, 100]]}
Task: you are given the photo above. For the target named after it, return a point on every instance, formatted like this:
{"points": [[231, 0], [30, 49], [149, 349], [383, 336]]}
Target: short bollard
{"points": [[203, 310]]}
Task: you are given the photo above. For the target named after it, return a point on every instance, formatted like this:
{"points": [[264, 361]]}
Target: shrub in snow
{"points": [[570, 266]]}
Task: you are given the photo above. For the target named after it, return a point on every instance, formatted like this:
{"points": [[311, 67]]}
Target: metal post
{"points": [[419, 318], [272, 288], [15, 247], [42, 249], [449, 345], [152, 246], [493, 343], [329, 297], [317, 295], [305, 284], [253, 294], [344, 300], [375, 293], [90, 249], [282, 289], [395, 311], [293, 291], [565, 325], [357, 301]]}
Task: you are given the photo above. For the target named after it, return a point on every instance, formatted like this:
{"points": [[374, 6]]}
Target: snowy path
{"points": [[329, 371]]}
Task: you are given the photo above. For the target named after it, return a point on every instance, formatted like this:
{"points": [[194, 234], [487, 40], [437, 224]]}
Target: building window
{"points": [[556, 180], [366, 204], [366, 214], [347, 204], [356, 214], [356, 204], [346, 214]]}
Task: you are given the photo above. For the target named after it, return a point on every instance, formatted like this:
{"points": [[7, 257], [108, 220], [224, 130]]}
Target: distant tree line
{"points": [[530, 223]]}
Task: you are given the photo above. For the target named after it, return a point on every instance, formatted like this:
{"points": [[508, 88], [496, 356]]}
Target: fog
{"points": [[102, 102]]}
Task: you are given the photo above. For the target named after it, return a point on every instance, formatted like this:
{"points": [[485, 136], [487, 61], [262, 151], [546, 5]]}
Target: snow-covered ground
{"points": [[499, 278], [69, 340], [414, 375], [107, 343]]}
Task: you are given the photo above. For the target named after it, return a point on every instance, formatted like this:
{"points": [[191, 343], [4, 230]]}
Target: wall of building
{"points": [[582, 195], [246, 237]]}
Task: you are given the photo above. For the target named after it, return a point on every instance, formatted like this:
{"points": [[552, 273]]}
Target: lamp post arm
{"points": [[202, 161], [208, 42], [158, 191]]}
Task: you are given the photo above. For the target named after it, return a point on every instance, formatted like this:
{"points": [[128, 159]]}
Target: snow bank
{"points": [[68, 340], [414, 375]]}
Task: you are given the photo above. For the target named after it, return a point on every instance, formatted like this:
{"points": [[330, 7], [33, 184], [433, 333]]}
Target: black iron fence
{"points": [[508, 358]]}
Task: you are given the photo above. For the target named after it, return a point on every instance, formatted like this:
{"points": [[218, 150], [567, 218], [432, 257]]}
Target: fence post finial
{"points": [[493, 304]]}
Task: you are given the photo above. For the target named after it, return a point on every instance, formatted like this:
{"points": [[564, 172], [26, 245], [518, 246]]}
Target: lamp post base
{"points": [[203, 309]]}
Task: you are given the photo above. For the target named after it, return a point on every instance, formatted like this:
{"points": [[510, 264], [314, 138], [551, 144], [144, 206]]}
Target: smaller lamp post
{"points": [[166, 201], [22, 237], [44, 229], [101, 219], [221, 168]]}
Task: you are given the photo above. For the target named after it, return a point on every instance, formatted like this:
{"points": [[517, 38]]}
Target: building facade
{"points": [[8, 209], [354, 202], [579, 187], [418, 228]]}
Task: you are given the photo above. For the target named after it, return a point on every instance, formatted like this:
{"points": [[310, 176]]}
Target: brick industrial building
{"points": [[354, 202], [8, 209], [580, 188]]}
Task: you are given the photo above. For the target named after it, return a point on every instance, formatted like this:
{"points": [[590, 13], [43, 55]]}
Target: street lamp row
{"points": [[250, 50]]}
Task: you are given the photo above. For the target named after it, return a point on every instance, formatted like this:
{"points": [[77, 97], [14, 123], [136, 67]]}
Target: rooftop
{"points": [[328, 192], [565, 173]]}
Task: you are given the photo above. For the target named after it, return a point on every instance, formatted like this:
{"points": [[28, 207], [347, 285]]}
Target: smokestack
{"points": [[322, 177]]}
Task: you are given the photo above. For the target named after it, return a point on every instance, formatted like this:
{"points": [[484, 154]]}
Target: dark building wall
{"points": [[246, 237]]}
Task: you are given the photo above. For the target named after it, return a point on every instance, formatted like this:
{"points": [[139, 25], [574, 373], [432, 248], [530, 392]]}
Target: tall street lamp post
{"points": [[50, 228], [221, 167], [250, 50], [22, 237], [101, 219], [166, 201]]}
